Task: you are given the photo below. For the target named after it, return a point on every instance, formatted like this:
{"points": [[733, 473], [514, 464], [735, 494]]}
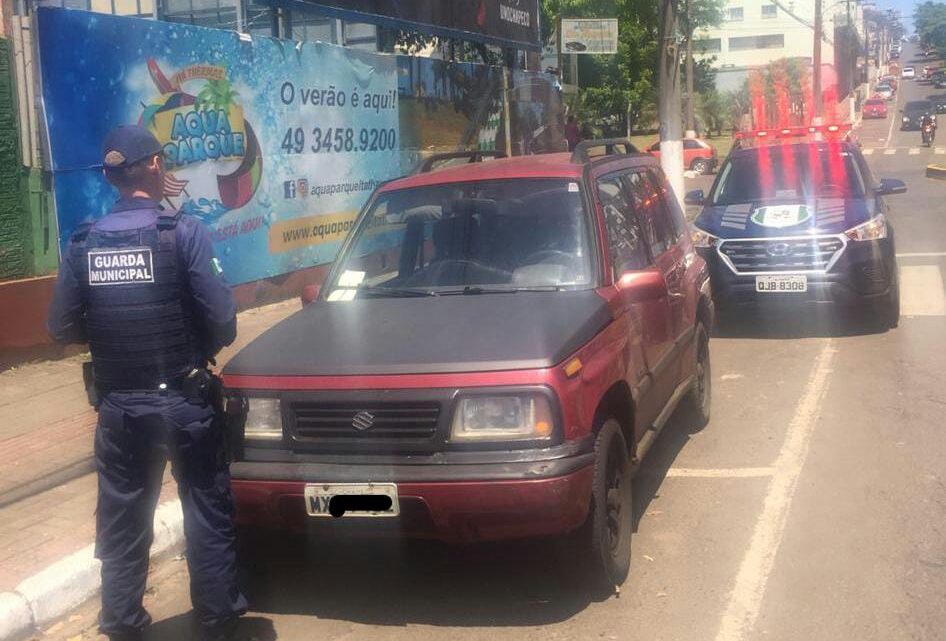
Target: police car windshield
{"points": [[521, 233], [788, 172]]}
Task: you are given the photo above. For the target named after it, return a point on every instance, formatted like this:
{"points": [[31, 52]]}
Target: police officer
{"points": [[143, 288]]}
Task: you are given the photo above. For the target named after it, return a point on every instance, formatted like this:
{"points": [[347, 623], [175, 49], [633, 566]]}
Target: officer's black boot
{"points": [[222, 632]]}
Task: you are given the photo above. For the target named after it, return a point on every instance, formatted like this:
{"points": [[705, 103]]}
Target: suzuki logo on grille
{"points": [[778, 249], [362, 421]]}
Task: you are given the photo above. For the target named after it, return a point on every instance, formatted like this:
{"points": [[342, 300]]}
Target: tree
{"points": [[930, 21], [698, 14]]}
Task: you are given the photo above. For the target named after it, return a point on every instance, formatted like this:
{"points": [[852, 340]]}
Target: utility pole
{"points": [[816, 68], [671, 145], [690, 101]]}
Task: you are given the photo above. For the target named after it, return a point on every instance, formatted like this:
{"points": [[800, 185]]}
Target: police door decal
{"points": [[121, 266]]}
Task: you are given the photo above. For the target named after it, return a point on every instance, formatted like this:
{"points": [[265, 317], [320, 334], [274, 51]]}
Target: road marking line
{"points": [[914, 151], [720, 473], [868, 152], [920, 254], [939, 151], [892, 120], [745, 601], [889, 152], [921, 291]]}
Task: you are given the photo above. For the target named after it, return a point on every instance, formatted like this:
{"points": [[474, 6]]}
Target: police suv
{"points": [[795, 216]]}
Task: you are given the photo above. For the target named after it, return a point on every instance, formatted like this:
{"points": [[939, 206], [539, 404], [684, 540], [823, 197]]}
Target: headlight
{"points": [[263, 419], [700, 238], [502, 418], [873, 229], [906, 119]]}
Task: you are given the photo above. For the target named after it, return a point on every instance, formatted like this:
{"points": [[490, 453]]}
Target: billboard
{"points": [[586, 35], [274, 145], [512, 23]]}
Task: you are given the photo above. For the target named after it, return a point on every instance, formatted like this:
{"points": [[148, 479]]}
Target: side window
{"points": [[674, 212], [625, 240], [691, 144], [654, 222]]}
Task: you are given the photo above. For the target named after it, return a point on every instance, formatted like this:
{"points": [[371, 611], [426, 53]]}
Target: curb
{"points": [[937, 172], [54, 591]]}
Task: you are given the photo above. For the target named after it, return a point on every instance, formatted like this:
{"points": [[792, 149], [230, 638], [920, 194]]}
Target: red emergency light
{"points": [[829, 131]]}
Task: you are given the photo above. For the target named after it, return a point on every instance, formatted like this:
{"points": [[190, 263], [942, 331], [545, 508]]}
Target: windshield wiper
{"points": [[473, 290], [396, 292]]}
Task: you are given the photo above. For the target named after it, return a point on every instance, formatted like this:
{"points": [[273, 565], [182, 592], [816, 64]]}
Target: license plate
{"points": [[352, 499], [793, 283]]}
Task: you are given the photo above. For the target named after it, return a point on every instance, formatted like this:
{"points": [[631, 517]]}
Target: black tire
{"points": [[698, 402], [604, 541], [888, 309], [699, 166]]}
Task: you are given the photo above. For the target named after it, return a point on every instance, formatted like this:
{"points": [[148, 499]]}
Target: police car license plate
{"points": [[789, 283], [352, 499]]}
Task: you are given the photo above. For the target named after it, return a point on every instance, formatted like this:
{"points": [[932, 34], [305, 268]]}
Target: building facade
{"points": [[755, 33]]}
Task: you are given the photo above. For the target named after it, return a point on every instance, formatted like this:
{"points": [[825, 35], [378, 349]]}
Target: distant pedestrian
{"points": [[572, 133], [143, 287]]}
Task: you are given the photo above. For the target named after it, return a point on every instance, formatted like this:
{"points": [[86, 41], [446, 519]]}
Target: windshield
{"points": [[918, 106], [522, 233], [789, 173]]}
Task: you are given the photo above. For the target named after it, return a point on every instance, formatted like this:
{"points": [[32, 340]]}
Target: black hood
{"points": [[821, 216], [463, 333]]}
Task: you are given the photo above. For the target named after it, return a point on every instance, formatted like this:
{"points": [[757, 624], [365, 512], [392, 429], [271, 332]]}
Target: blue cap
{"points": [[127, 144]]}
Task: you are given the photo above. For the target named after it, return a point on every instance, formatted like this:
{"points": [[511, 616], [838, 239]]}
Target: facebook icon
{"points": [[289, 189]]}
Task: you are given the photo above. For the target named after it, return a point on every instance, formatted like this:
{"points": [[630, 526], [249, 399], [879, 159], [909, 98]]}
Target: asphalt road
{"points": [[812, 507]]}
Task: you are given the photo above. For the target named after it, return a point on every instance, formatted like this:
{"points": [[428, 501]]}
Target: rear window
{"points": [[918, 105], [875, 102]]}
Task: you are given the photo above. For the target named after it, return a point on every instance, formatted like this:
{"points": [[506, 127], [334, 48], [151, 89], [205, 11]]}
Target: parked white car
{"points": [[908, 73]]}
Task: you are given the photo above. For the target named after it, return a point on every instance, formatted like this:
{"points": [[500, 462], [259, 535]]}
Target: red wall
{"points": [[24, 304]]}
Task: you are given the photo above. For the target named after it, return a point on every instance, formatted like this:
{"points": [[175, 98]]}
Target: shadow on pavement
{"points": [[813, 321], [396, 583], [184, 627]]}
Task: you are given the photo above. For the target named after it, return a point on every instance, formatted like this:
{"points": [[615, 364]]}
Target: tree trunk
{"points": [[671, 145]]}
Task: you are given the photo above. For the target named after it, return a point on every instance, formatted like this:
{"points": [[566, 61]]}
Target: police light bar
{"points": [[792, 132]]}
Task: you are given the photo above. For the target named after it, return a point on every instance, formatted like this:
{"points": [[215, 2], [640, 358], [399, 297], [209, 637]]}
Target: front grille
{"points": [[350, 422], [753, 256]]}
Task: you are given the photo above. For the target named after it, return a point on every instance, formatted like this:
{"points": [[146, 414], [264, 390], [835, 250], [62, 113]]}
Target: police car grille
{"points": [[781, 255], [344, 422]]}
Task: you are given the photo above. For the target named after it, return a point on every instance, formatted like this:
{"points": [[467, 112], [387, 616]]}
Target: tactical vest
{"points": [[139, 315]]}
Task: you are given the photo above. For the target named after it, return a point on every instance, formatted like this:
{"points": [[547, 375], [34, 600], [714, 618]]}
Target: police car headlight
{"points": [[701, 238], [873, 229], [525, 417], [263, 419]]}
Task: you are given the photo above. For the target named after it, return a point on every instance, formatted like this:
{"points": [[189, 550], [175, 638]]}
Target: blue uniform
{"points": [[144, 289]]}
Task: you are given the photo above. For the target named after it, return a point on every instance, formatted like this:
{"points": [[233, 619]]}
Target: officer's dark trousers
{"points": [[136, 434]]}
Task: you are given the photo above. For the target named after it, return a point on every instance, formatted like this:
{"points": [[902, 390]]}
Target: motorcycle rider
{"points": [[928, 121]]}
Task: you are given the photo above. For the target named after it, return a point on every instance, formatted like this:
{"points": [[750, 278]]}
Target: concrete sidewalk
{"points": [[46, 429]]}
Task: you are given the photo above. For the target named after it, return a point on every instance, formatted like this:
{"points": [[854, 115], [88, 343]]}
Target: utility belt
{"points": [[199, 386]]}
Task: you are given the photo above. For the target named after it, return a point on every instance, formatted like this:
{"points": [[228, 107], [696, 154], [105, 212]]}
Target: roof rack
{"points": [[580, 154], [478, 155]]}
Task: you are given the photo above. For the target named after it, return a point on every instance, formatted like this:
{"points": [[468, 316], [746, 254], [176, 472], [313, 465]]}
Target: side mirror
{"points": [[642, 286], [310, 294], [890, 187], [695, 197]]}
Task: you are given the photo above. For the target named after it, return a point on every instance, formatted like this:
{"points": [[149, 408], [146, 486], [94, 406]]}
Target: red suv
{"points": [[698, 155], [492, 354]]}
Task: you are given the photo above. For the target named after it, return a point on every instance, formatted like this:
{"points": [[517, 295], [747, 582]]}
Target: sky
{"points": [[905, 7]]}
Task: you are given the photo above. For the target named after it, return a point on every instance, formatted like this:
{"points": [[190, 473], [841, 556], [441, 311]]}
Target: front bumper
{"points": [[865, 271], [456, 501]]}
